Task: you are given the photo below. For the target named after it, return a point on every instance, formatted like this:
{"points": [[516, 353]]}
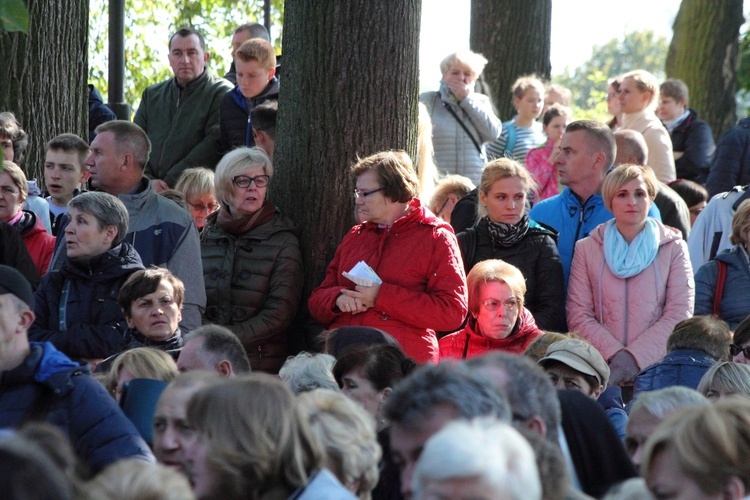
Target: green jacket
{"points": [[253, 286], [182, 124]]}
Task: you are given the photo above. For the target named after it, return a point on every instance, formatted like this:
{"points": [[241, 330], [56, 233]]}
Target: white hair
{"points": [[305, 372], [664, 402], [487, 449]]}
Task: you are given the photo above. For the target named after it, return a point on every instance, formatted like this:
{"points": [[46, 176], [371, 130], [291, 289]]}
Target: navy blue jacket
{"points": [[734, 305], [694, 139], [235, 128], [76, 307], [679, 367], [49, 386], [731, 165]]}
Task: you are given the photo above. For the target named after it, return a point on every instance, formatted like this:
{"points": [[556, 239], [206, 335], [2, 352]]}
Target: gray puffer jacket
{"points": [[455, 152]]}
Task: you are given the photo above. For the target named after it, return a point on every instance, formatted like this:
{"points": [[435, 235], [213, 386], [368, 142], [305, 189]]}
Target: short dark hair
{"points": [[70, 143], [146, 281], [255, 30], [600, 138], [384, 365], [451, 384], [131, 135], [394, 170], [690, 191], [220, 341], [742, 332], [263, 117], [11, 128], [186, 32]]}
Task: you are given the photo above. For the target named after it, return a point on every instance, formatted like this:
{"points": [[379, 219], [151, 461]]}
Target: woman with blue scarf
{"points": [[631, 280]]}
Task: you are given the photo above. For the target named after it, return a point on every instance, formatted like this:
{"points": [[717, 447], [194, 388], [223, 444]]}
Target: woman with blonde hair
{"points": [[701, 452], [252, 265], [347, 432], [141, 362], [427, 172], [722, 285], [638, 95], [505, 231], [726, 379], [253, 440], [631, 281], [498, 319], [462, 120], [197, 184]]}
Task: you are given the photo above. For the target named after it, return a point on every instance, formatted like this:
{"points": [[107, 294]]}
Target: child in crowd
{"points": [[522, 133], [255, 62], [541, 161], [64, 172]]}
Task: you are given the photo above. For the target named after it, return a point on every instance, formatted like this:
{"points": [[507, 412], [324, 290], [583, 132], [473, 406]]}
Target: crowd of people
{"points": [[537, 307]]}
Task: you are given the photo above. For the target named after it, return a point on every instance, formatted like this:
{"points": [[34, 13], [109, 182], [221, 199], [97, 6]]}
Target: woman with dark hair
{"points": [[151, 301], [368, 376], [695, 196], [76, 306], [420, 286]]}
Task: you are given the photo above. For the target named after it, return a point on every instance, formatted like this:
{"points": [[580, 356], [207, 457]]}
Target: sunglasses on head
{"points": [[735, 349]]}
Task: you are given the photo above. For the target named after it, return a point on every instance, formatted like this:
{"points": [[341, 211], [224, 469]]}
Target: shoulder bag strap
{"points": [[463, 125], [719, 286]]}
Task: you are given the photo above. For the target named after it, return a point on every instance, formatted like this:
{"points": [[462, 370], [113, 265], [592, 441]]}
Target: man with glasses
{"points": [[163, 233]]}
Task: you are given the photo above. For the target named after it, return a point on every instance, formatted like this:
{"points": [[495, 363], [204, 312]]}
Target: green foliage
{"points": [[148, 25], [14, 16], [637, 50]]}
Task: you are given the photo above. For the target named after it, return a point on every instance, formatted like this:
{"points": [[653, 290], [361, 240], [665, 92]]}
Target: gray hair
{"points": [[128, 137], [234, 163], [305, 372], [347, 432], [487, 450], [255, 30], [449, 383], [219, 344], [729, 377], [664, 402], [108, 210], [526, 385]]}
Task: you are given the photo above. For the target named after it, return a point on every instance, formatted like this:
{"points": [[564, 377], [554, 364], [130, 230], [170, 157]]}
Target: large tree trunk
{"points": [[350, 88], [703, 53], [43, 79], [514, 36]]}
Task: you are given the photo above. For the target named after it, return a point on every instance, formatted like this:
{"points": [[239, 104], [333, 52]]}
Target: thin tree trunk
{"points": [[350, 89], [514, 36], [703, 53], [43, 80]]}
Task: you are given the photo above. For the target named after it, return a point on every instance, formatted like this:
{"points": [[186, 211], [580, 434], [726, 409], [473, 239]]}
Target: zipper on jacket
{"points": [[627, 293]]}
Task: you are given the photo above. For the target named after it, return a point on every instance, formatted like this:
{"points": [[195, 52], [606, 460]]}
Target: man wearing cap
{"points": [[39, 383], [575, 364]]}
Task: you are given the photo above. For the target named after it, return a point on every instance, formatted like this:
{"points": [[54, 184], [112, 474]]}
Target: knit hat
{"points": [[12, 281], [580, 356]]}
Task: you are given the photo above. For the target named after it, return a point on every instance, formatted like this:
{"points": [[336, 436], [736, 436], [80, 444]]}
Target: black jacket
{"points": [[537, 258], [693, 138], [235, 128], [731, 165], [88, 323]]}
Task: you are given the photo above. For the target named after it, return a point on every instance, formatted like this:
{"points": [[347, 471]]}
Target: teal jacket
{"points": [[182, 124]]}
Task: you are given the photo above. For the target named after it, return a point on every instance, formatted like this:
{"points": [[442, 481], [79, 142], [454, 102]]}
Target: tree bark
{"points": [[350, 89], [703, 53], [43, 80], [515, 37]]}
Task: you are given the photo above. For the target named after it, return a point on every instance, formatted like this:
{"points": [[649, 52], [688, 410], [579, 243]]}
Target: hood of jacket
{"points": [[525, 326], [666, 234], [46, 365], [121, 260], [27, 224]]}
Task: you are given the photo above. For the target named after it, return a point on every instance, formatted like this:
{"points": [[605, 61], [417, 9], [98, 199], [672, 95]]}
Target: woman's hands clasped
{"points": [[358, 300]]}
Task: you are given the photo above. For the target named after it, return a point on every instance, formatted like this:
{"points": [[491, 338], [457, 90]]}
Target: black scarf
{"points": [[507, 235]]}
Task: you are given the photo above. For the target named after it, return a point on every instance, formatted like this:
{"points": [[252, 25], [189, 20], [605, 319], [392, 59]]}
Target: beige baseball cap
{"points": [[580, 356]]}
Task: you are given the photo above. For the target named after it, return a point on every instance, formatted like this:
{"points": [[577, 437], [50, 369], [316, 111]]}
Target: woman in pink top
{"points": [[541, 161]]}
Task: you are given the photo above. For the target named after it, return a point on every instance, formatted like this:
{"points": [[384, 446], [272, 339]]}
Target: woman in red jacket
{"points": [[497, 318], [413, 253]]}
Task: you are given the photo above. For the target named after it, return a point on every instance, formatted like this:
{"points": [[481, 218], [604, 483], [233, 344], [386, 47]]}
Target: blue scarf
{"points": [[626, 260]]}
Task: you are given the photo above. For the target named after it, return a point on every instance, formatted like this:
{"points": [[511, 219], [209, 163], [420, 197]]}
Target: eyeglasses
{"points": [[442, 207], [735, 349], [243, 181], [510, 305], [364, 194], [210, 208]]}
